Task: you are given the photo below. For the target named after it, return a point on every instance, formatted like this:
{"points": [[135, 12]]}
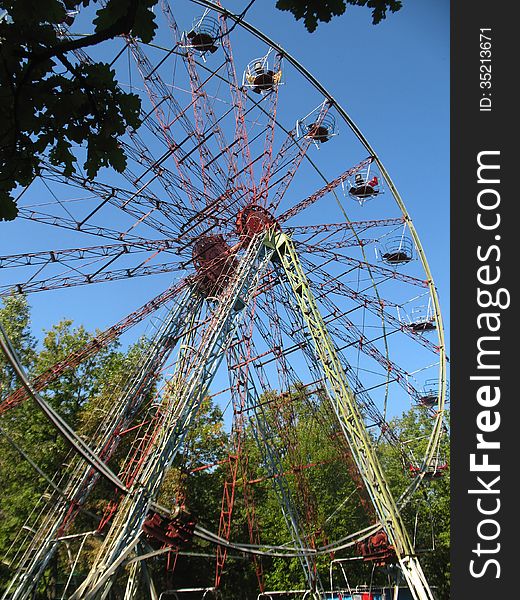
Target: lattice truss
{"points": [[259, 227]]}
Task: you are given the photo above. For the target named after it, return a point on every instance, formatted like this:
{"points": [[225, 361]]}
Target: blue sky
{"points": [[392, 79]]}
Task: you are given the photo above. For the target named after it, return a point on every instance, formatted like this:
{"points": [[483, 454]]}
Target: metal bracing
{"points": [[207, 156], [197, 363], [365, 402], [238, 365], [296, 150], [238, 98], [139, 578], [194, 373], [132, 583], [442, 377], [351, 420]]}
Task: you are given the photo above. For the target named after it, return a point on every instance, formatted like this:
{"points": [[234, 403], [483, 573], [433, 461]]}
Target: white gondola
{"points": [[204, 35], [395, 251], [315, 127], [429, 394], [437, 467], [365, 185], [420, 319], [261, 76]]}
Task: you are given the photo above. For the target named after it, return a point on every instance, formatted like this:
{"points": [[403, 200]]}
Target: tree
{"points": [[28, 441], [312, 11], [52, 99], [302, 432], [15, 318], [320, 493]]}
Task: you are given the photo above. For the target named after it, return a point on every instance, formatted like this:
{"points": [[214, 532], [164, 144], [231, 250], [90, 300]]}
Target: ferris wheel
{"points": [[291, 286]]}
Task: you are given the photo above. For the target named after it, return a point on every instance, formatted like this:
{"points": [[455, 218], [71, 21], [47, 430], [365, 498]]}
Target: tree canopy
{"points": [[314, 11], [52, 99]]}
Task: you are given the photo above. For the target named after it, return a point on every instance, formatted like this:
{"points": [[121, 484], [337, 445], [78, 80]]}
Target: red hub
{"points": [[252, 220], [215, 261]]}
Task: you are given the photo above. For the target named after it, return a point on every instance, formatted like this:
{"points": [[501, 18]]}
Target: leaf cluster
{"points": [[313, 11], [53, 98]]}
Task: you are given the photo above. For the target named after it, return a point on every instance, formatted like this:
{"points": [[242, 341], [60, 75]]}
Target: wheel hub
{"points": [[253, 219]]}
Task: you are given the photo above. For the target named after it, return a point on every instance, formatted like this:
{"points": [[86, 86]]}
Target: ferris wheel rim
{"points": [[438, 433]]}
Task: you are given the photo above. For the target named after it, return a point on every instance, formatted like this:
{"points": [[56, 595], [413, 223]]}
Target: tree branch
{"points": [[121, 26]]}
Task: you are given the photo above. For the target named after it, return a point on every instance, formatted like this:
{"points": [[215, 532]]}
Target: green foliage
{"points": [[302, 431], [205, 444], [25, 428], [14, 316], [313, 11], [324, 499], [71, 391], [51, 100]]}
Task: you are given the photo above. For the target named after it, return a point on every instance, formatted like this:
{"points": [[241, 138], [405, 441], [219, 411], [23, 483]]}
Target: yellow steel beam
{"points": [[350, 417]]}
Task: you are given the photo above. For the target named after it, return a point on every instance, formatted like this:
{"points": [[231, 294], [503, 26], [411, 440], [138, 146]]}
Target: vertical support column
{"points": [[272, 459], [351, 420], [189, 385], [239, 353]]}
